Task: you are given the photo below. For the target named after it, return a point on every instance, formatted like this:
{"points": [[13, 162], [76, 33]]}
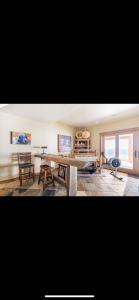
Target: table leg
{"points": [[71, 181]]}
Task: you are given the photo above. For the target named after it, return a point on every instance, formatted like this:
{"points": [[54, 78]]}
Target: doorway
{"points": [[123, 144]]}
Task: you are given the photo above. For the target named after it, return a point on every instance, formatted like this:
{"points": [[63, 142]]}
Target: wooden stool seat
{"points": [[46, 175]]}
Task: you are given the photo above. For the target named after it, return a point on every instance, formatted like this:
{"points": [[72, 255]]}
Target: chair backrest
{"points": [[24, 157]]}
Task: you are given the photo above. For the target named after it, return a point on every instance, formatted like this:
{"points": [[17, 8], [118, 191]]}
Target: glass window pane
{"points": [[110, 146], [126, 150]]}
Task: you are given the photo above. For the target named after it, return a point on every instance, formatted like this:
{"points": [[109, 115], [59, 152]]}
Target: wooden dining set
{"points": [[27, 170], [66, 170]]}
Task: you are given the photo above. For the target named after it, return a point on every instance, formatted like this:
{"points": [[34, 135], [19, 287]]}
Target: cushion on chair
{"points": [[28, 165]]}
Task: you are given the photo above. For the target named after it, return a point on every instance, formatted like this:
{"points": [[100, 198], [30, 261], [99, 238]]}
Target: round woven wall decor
{"points": [[79, 134], [86, 134]]}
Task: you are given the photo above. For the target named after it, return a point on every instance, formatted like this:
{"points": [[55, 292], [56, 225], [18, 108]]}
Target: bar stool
{"points": [[62, 171], [26, 168], [46, 176]]}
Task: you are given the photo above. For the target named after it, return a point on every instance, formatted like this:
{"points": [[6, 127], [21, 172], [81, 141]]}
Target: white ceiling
{"points": [[77, 115], [2, 105]]}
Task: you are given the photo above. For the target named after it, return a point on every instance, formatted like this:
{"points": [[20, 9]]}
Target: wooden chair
{"points": [[46, 176], [26, 168]]}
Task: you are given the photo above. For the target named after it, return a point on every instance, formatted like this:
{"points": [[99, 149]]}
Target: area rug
{"points": [[87, 185], [27, 192], [91, 175], [132, 186]]}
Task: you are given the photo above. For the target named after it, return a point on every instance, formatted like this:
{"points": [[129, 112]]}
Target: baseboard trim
{"points": [[8, 180], [12, 179]]}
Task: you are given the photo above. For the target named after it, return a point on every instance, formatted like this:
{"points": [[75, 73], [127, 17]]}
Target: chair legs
{"points": [[20, 177], [46, 176], [48, 179], [40, 176], [33, 175], [30, 174], [62, 171]]}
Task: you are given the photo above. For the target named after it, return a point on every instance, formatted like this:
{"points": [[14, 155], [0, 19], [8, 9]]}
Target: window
{"points": [[120, 144], [110, 146], [126, 150]]}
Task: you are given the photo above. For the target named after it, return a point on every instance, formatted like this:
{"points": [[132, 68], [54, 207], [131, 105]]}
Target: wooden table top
{"points": [[63, 160], [87, 158]]}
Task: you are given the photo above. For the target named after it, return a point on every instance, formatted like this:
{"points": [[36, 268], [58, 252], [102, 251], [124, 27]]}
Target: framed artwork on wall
{"points": [[64, 143], [20, 138]]}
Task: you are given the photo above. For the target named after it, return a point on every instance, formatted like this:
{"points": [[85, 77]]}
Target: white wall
{"points": [[45, 135], [42, 135]]}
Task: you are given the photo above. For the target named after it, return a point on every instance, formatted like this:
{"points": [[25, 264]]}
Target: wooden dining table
{"points": [[72, 166]]}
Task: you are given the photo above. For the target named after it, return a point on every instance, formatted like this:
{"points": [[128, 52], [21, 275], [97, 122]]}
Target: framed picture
{"points": [[20, 138], [64, 143]]}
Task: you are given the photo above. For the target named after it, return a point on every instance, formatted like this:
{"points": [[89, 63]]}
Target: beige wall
{"points": [[42, 135], [113, 126]]}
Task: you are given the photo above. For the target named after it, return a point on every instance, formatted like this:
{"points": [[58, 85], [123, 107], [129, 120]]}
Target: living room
{"points": [[70, 147]]}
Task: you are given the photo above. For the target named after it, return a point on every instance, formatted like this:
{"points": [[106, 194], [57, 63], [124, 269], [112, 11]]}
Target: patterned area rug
{"points": [[102, 184], [19, 192], [132, 186], [91, 175], [29, 192], [30, 189]]}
